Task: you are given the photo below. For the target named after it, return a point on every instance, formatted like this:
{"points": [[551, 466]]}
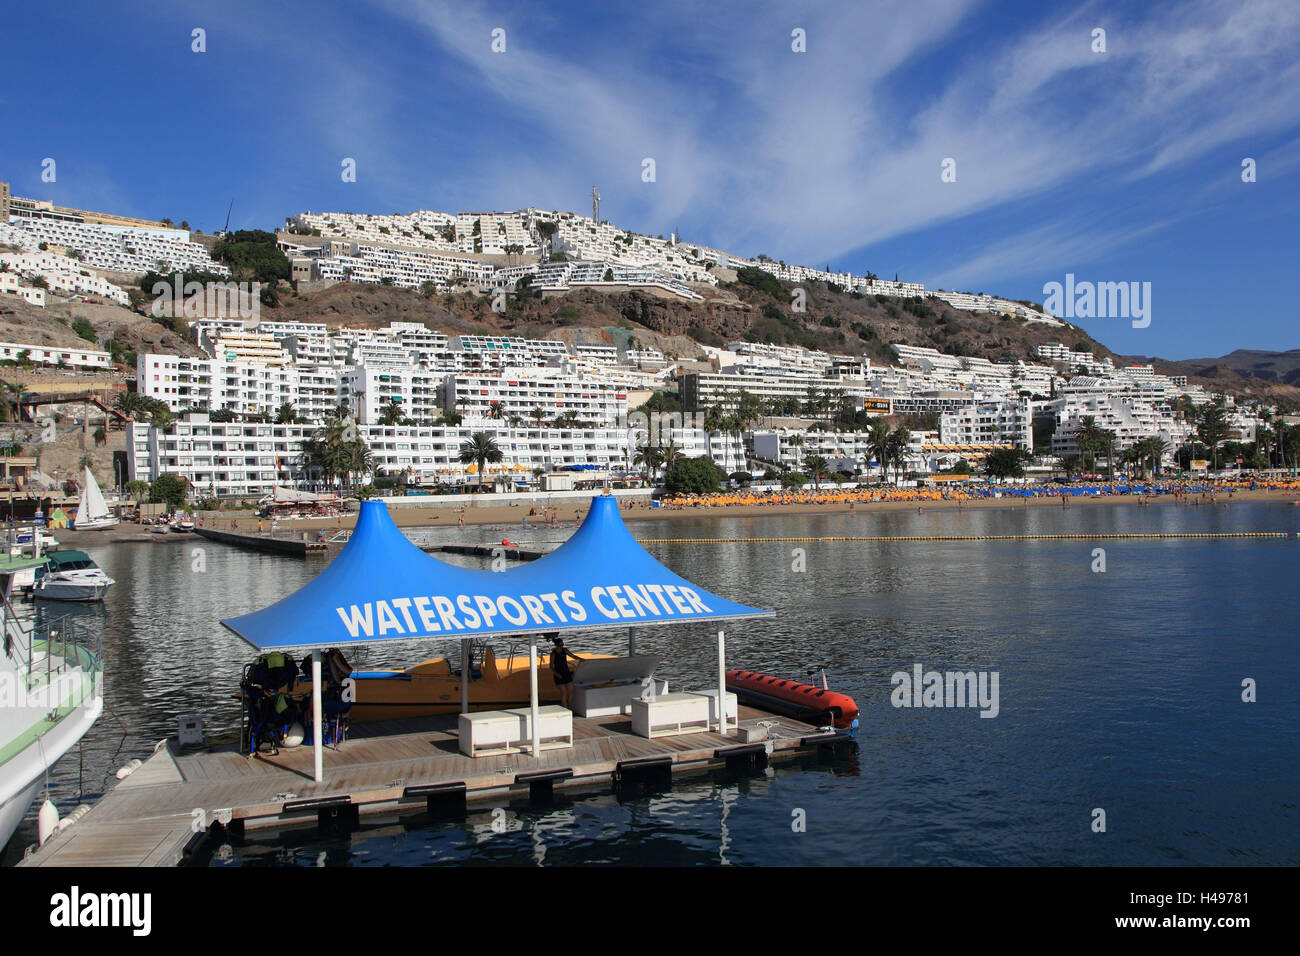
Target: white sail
{"points": [[92, 505]]}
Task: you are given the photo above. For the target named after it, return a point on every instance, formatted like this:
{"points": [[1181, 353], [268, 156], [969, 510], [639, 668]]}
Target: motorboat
{"points": [[53, 679], [433, 686], [70, 576], [27, 538], [181, 523], [92, 512], [160, 527]]}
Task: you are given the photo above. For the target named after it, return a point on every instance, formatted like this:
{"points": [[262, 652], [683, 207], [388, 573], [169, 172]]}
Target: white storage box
{"points": [[670, 714], [510, 731], [712, 695], [603, 688]]}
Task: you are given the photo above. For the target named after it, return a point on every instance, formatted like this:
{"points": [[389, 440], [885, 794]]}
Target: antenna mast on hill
{"points": [[595, 205]]}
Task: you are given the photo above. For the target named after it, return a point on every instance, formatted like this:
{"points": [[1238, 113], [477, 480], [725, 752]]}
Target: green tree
{"points": [[1212, 429], [480, 449], [392, 413], [816, 466], [651, 458], [168, 489], [1006, 463], [137, 491], [693, 476]]}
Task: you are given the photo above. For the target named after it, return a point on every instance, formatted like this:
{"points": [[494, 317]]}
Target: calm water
{"points": [[1119, 690]]}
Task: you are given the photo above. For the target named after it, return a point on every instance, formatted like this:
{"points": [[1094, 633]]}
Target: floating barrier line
{"points": [[984, 537]]}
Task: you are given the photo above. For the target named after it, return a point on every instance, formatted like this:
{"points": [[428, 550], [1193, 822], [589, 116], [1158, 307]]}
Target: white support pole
{"points": [[316, 721], [534, 716], [464, 675], [722, 684]]}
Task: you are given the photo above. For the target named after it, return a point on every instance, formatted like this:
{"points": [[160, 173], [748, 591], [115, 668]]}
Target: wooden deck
{"points": [[161, 812]]}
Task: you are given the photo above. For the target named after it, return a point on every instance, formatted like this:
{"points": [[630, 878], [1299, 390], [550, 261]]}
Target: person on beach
{"points": [[563, 673]]}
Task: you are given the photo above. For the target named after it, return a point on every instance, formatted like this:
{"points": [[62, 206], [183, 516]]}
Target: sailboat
{"points": [[92, 512]]}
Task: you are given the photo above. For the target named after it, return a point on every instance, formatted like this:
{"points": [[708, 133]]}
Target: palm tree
{"points": [[128, 403], [285, 414], [650, 457], [1088, 436], [1071, 465], [392, 413], [672, 454], [896, 448], [1153, 451], [480, 449], [878, 443], [538, 415], [816, 466]]}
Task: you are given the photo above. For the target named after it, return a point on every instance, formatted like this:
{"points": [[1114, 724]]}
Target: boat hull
{"points": [[62, 591], [15, 808], [793, 699], [96, 524], [22, 775]]}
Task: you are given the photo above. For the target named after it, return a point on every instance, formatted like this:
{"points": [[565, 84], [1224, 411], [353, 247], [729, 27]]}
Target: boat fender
{"points": [[47, 822], [129, 769], [293, 737]]}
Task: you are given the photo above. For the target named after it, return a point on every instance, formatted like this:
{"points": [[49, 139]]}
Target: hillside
{"points": [[1272, 376], [834, 321], [27, 324]]}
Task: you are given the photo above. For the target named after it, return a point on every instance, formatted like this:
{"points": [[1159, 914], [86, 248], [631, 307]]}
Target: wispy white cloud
{"points": [[815, 154]]}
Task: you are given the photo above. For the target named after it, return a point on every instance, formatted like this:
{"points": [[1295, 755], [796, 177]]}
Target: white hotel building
{"points": [[55, 355], [129, 249], [518, 391], [990, 423], [241, 387], [249, 459]]}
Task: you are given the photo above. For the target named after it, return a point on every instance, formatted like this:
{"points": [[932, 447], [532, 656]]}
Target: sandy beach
{"points": [[511, 517]]}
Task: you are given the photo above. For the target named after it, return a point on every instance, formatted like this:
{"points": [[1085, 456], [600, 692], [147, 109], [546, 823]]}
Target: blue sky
{"points": [[1115, 166]]}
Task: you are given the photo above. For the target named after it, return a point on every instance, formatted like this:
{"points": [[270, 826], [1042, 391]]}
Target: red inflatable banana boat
{"points": [[801, 701]]}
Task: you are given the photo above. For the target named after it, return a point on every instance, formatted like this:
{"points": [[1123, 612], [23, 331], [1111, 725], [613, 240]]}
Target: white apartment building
{"points": [[1130, 420], [989, 423], [517, 349], [11, 285], [982, 302], [119, 248], [214, 384], [410, 268], [702, 391], [368, 390], [519, 392], [62, 274], [245, 347], [1084, 362], [54, 355], [249, 459]]}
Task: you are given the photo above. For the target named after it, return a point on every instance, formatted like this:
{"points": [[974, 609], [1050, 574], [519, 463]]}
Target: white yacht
{"points": [[92, 512], [70, 576], [51, 682]]}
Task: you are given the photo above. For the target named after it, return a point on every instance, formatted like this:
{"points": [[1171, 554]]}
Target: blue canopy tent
{"points": [[381, 588]]}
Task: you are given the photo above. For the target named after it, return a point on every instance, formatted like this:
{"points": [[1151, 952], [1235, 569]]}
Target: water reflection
{"points": [[1119, 687]]}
